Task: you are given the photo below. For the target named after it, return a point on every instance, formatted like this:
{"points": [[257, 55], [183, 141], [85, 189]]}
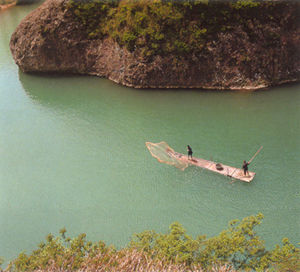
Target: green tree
{"points": [[174, 246], [60, 253], [283, 259], [239, 244]]}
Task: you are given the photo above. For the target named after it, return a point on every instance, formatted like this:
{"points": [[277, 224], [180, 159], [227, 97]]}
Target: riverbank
{"points": [[164, 45]]}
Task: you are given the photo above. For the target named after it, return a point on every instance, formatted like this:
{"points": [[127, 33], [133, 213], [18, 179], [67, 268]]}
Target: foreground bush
{"points": [[125, 260], [239, 245], [238, 248]]}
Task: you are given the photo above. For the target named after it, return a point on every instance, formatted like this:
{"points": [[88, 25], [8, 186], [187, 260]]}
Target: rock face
{"points": [[51, 40]]}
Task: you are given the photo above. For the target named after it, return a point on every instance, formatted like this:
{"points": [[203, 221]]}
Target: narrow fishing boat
{"points": [[165, 154]]}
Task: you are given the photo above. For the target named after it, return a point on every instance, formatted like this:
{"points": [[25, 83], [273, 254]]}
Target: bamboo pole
{"points": [[255, 155]]}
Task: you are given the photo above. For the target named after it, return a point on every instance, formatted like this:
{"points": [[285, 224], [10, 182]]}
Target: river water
{"points": [[72, 154]]}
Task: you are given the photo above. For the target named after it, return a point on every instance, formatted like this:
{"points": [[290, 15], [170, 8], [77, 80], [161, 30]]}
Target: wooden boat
{"points": [[165, 154], [219, 168]]}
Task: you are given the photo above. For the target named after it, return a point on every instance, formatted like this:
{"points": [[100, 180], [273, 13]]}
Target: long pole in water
{"points": [[255, 154]]}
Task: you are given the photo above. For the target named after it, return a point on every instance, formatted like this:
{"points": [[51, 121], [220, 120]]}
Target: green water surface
{"points": [[72, 154]]}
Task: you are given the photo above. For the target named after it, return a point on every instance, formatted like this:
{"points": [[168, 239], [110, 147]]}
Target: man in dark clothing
{"points": [[245, 167], [190, 152]]}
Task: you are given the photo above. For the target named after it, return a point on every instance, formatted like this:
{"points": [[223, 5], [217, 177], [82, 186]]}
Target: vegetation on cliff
{"points": [[239, 246], [170, 26]]}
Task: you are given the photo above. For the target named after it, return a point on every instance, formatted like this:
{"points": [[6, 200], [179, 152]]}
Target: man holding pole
{"points": [[245, 164], [245, 167]]}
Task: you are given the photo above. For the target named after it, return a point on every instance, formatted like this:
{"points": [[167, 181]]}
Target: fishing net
{"points": [[165, 154]]}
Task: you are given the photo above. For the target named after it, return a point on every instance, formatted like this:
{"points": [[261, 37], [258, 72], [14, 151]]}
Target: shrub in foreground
{"points": [[238, 248]]}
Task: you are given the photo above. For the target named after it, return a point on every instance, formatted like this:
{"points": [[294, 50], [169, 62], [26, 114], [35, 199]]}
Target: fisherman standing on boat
{"points": [[190, 152], [245, 167]]}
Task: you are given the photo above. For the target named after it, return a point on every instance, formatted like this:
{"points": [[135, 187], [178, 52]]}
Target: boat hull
{"points": [[222, 169]]}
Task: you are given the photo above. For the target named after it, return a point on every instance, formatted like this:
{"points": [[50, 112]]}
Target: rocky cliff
{"points": [[255, 54]]}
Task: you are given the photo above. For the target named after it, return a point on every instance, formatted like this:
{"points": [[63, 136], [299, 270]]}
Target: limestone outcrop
{"points": [[51, 40]]}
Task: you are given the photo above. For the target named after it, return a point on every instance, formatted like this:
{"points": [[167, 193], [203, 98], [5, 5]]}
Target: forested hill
{"points": [[194, 44]]}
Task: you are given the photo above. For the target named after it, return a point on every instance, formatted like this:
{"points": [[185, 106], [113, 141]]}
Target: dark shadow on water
{"points": [[56, 89], [80, 94], [31, 83]]}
